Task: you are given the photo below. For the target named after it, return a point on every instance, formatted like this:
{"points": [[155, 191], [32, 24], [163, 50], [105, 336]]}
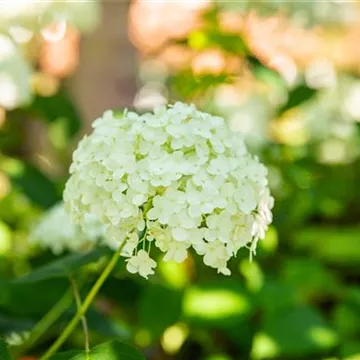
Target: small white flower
{"points": [[216, 256], [177, 251], [141, 263]]}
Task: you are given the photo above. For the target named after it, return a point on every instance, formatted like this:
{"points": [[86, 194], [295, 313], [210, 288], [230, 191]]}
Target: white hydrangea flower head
{"points": [[179, 177], [58, 233]]}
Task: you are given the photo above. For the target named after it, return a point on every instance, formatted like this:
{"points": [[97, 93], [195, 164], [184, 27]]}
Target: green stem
{"points": [[46, 322], [83, 319], [84, 307]]}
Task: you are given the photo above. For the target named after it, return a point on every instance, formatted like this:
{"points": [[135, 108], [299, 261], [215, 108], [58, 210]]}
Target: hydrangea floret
{"points": [[179, 177]]}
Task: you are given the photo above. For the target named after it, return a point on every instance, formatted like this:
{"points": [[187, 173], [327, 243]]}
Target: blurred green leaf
{"points": [[217, 304], [299, 331], [269, 244], [294, 211], [106, 325], [297, 96], [5, 238], [337, 245], [187, 85], [114, 289], [218, 357], [158, 299], [4, 351], [31, 299], [68, 355], [228, 42], [9, 324], [58, 108], [310, 278], [254, 277], [174, 274], [353, 297], [34, 183], [275, 296], [350, 350], [64, 266], [112, 350], [346, 320], [265, 74]]}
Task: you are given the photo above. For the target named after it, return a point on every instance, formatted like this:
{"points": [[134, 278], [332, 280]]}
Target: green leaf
{"points": [[310, 278], [188, 85], [156, 300], [299, 331], [30, 180], [58, 108], [4, 351], [64, 266], [346, 320], [335, 245], [275, 295], [39, 297], [68, 355], [350, 350], [231, 43], [12, 323], [266, 75], [218, 357], [353, 295], [112, 350], [221, 304], [297, 96], [107, 325]]}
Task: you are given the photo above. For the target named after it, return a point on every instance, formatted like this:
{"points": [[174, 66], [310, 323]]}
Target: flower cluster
{"points": [[14, 75], [19, 19], [178, 176], [33, 14], [56, 232]]}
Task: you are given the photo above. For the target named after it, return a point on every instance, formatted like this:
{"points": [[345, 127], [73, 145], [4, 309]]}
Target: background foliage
{"points": [[300, 297]]}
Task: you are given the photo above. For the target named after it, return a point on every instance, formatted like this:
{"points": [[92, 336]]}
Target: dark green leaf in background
{"points": [[4, 351], [64, 266], [275, 296], [56, 108], [33, 182], [350, 350], [335, 245], [310, 278], [33, 298], [297, 96], [112, 350], [300, 331], [15, 323], [159, 308]]}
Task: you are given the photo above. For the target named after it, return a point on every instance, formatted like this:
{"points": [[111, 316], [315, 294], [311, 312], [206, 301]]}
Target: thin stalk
{"points": [[84, 307], [83, 319]]}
